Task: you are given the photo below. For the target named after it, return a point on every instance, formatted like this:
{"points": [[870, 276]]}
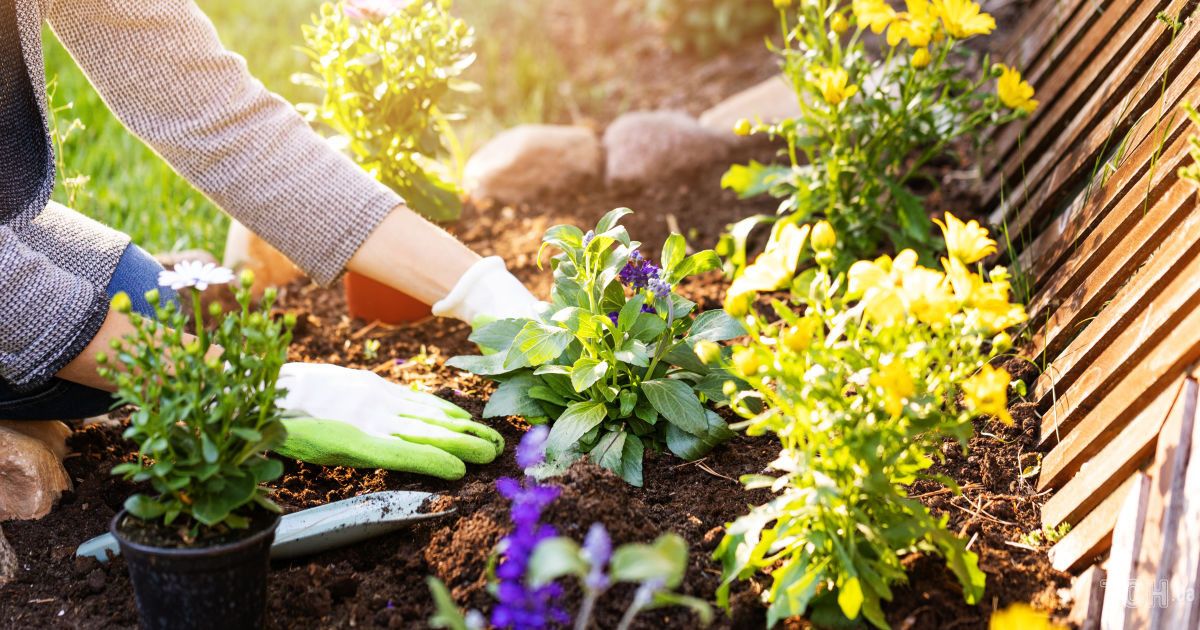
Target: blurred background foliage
{"points": [[538, 61]]}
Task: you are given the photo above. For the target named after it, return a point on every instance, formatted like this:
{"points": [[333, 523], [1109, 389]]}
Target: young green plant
{"points": [[385, 70], [858, 374], [610, 362], [870, 125], [202, 421]]}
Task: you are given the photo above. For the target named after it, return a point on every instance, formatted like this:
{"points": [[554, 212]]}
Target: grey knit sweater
{"points": [[160, 67]]}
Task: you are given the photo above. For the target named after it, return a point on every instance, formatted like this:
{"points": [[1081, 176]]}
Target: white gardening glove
{"points": [[337, 416], [485, 293]]}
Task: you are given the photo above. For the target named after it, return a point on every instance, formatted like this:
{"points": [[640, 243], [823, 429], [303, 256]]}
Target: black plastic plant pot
{"points": [[223, 586]]}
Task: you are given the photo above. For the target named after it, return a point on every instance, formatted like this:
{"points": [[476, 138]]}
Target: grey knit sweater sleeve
{"points": [[160, 67]]}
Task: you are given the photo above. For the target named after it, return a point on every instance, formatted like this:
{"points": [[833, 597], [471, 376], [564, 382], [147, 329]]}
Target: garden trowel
{"points": [[322, 528]]}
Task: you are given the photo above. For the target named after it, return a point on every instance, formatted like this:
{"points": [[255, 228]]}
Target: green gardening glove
{"points": [[336, 416]]}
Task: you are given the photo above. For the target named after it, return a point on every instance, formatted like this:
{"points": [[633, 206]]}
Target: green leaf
{"points": [[665, 559], [610, 219], [716, 325], [692, 447], [676, 401], [673, 252], [647, 328], [448, 615], [683, 354], [630, 312], [850, 598], [490, 365], [697, 263], [577, 420], [628, 401], [564, 237], [208, 449], [586, 372], [554, 558], [703, 610], [633, 352], [609, 451], [512, 398], [631, 460], [144, 507], [548, 394], [580, 322], [497, 336], [536, 344]]}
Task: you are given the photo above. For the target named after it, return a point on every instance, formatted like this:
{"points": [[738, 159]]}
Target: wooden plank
{"points": [[1066, 163], [1120, 405], [1164, 508], [1092, 536], [1183, 567], [1063, 83], [1146, 310], [1122, 562], [1062, 236], [1042, 32], [1131, 450], [1087, 598], [1058, 329]]}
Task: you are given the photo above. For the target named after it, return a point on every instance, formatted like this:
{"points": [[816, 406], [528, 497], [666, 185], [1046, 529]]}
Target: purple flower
{"points": [[597, 548], [638, 272], [587, 238], [649, 308], [521, 607], [613, 317], [659, 287], [532, 449]]}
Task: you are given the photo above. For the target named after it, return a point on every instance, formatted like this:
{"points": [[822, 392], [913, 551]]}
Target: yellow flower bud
{"points": [[214, 309], [839, 24], [708, 352], [799, 337], [101, 358], [1001, 342], [743, 127], [823, 236], [152, 296], [729, 388], [246, 279], [921, 58], [270, 294], [746, 362], [289, 320], [121, 303]]}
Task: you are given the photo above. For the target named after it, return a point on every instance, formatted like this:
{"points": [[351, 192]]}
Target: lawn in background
{"points": [[131, 189]]}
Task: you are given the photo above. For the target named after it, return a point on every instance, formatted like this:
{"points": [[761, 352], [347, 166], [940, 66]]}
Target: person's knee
{"points": [[136, 275]]}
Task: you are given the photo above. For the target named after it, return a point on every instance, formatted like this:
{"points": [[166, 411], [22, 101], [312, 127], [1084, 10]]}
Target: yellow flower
{"points": [[962, 18], [834, 85], [921, 58], [986, 393], [968, 241], [929, 298], [773, 269], [916, 25], [1015, 92], [121, 303], [897, 385], [1021, 617], [875, 14], [839, 24], [707, 351], [799, 337], [743, 127], [865, 275]]}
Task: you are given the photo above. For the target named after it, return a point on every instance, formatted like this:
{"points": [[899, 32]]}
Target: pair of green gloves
{"points": [[337, 416]]}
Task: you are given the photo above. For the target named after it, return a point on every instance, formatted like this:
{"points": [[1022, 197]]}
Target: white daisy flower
{"points": [[194, 273]]}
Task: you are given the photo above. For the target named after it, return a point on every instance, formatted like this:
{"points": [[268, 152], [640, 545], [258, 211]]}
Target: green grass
{"points": [[131, 189]]}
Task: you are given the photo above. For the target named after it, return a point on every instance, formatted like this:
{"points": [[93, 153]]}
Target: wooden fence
{"points": [[1109, 235]]}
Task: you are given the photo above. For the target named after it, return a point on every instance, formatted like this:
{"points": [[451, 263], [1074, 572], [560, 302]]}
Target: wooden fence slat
{"points": [[1164, 507], [1122, 562], [1053, 331], [1120, 404], [1172, 226], [1129, 451], [1183, 569], [1043, 33], [1087, 594], [1092, 536], [1060, 237], [1062, 84], [1067, 162]]}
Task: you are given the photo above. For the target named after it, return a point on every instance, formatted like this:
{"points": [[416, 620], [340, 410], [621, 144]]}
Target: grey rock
{"points": [[527, 160], [644, 147]]}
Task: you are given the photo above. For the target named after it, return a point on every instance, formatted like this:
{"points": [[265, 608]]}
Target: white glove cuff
{"points": [[486, 289]]}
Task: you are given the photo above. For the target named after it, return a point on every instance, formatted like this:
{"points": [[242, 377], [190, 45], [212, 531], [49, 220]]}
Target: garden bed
{"points": [[382, 583]]}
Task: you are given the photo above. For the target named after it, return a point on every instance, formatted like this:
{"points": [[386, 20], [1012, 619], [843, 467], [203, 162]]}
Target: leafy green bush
{"points": [[708, 26], [204, 419], [1192, 171], [385, 69], [612, 354], [870, 125], [858, 376]]}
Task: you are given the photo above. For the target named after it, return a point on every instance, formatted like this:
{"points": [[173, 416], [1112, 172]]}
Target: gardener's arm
{"points": [[164, 73]]}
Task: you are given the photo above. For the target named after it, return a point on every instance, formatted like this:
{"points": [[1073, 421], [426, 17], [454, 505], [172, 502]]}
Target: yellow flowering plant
{"points": [[1192, 171], [870, 124], [859, 374]]}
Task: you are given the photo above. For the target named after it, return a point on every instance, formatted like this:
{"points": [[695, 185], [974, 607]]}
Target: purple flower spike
{"points": [[660, 288], [613, 317], [597, 547], [532, 449], [638, 272], [587, 238]]}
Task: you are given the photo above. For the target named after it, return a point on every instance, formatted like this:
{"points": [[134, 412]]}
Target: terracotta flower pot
{"points": [[369, 300]]}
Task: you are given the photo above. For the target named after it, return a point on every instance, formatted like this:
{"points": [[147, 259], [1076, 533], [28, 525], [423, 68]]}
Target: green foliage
{"points": [[858, 375], [871, 124], [204, 418], [1046, 535], [385, 79], [709, 26], [1192, 171], [611, 361]]}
